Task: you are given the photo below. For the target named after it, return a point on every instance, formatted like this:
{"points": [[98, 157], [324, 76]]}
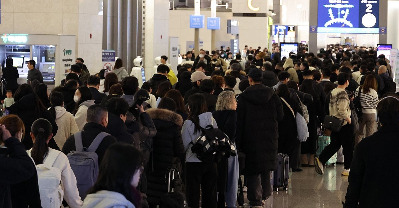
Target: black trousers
{"points": [[344, 138], [259, 188], [201, 176]]}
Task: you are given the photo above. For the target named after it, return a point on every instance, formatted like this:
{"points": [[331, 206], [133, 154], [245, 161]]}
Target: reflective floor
{"points": [[307, 189]]}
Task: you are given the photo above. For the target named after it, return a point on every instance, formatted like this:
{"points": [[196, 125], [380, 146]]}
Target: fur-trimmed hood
{"points": [[166, 115]]}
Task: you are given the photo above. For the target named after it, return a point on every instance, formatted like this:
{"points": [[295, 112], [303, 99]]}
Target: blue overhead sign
{"points": [[348, 16], [213, 23], [196, 21]]}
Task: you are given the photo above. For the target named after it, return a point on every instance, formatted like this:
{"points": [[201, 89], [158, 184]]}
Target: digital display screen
{"points": [[18, 62], [384, 49], [287, 48], [348, 16]]}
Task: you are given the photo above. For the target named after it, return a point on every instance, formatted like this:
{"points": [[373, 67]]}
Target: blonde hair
{"points": [[224, 100]]}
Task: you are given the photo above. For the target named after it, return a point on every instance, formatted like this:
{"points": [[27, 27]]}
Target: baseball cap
{"points": [[198, 75]]}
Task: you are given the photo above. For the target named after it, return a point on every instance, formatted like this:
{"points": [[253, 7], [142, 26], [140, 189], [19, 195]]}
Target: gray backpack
{"points": [[84, 162]]}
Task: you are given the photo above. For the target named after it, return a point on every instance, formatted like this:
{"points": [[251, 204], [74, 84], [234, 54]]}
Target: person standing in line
{"points": [[259, 110], [33, 73], [368, 101], [339, 108]]}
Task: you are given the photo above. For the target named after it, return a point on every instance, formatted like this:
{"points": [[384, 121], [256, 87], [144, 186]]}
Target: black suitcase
{"points": [[281, 174]]}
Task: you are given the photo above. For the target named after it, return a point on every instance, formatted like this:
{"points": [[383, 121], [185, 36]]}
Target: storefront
{"points": [[53, 54]]}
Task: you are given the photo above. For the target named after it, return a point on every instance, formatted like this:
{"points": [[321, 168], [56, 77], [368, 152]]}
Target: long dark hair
{"points": [[41, 92], [307, 87], [197, 105], [26, 89], [85, 94], [56, 99], [120, 163], [110, 79], [179, 100], [41, 129]]}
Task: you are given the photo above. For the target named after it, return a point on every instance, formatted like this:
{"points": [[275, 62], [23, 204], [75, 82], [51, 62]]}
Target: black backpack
{"points": [[357, 104], [212, 142]]}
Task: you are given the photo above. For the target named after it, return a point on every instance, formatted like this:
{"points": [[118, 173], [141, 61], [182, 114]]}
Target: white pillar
{"points": [[197, 9]]}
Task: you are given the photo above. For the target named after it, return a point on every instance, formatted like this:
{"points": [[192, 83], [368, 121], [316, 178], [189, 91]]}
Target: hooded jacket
{"points": [[107, 199], [289, 67], [120, 73], [258, 111], [66, 125], [189, 134], [81, 114], [167, 146]]}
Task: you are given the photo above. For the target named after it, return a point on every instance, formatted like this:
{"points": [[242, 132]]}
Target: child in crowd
{"points": [[9, 100]]}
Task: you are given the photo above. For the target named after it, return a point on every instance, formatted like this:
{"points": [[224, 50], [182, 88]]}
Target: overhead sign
{"points": [[213, 23], [348, 16], [14, 38], [196, 21], [108, 55], [251, 7]]}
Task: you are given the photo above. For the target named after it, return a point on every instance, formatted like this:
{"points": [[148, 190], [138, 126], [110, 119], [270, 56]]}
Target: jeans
{"points": [[259, 188], [345, 138], [232, 178], [201, 176]]}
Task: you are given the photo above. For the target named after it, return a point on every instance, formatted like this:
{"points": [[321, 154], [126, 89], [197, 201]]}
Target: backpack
{"points": [[49, 178], [212, 142], [84, 162]]}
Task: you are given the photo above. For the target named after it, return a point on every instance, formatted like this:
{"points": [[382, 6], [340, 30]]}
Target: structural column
{"points": [[313, 7], [197, 8], [129, 36], [120, 29], [110, 14]]}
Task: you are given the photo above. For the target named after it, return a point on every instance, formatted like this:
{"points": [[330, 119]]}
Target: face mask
{"points": [[76, 98], [222, 55], [201, 55]]}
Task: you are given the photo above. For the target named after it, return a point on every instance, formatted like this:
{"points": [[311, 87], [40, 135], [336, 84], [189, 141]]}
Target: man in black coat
{"points": [[97, 121], [94, 84], [18, 177], [10, 74], [258, 111], [373, 180]]}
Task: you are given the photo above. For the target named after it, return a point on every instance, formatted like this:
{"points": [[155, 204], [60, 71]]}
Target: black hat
{"points": [[255, 74]]}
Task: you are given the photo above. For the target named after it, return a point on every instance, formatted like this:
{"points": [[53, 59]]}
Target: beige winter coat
{"points": [[66, 125]]}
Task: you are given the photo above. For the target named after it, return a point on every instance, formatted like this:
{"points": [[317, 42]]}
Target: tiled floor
{"points": [[307, 189]]}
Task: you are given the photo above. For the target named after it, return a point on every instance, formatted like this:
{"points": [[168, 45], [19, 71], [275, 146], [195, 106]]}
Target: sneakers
{"points": [[318, 166], [346, 172]]}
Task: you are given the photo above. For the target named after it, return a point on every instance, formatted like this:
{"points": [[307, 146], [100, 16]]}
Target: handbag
{"points": [[333, 123], [302, 127]]}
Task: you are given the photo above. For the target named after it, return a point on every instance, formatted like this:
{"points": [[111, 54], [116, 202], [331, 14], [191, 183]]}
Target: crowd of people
{"points": [[139, 135]]}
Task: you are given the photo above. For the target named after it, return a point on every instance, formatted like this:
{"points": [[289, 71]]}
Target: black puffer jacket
{"points": [[167, 146], [25, 108], [18, 177], [258, 111]]}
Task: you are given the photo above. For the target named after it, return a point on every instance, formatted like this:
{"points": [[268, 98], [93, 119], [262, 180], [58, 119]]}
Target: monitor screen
{"points": [[18, 62], [287, 48], [348, 16], [384, 49]]}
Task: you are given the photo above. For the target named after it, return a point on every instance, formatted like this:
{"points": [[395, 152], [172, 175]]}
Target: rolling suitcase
{"points": [[323, 142], [281, 174]]}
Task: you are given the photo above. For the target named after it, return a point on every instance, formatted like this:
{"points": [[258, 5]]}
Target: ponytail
{"points": [[41, 129]]}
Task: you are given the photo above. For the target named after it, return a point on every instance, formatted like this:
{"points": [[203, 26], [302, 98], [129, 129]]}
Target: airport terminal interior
{"points": [[199, 103]]}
